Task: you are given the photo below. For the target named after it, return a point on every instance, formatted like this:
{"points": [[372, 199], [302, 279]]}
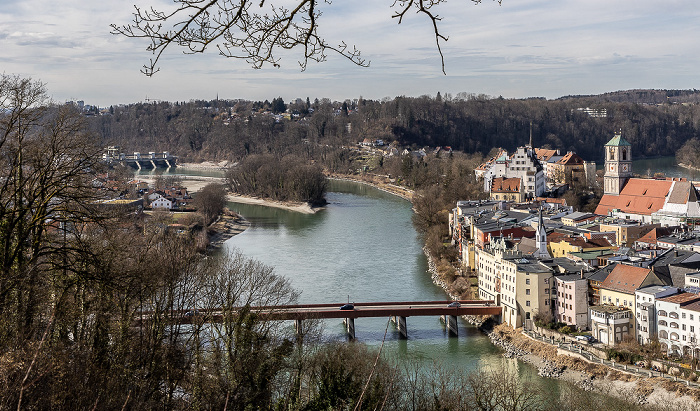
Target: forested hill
{"points": [[644, 96], [228, 129]]}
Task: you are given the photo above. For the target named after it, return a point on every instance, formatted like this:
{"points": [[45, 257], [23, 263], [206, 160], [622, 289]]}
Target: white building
{"points": [[610, 324], [645, 299], [678, 318], [162, 203], [522, 164]]}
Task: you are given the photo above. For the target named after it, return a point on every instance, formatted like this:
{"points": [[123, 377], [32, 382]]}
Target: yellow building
{"points": [[562, 246], [619, 287], [507, 189]]}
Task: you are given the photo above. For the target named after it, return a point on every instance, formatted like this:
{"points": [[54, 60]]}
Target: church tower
{"points": [[618, 164], [541, 239]]}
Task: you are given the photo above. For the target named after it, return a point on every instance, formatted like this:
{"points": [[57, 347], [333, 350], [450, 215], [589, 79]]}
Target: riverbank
{"points": [[688, 166], [303, 208], [228, 225], [657, 392], [584, 375], [399, 191]]}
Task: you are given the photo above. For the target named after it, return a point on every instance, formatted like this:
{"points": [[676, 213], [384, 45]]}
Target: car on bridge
{"points": [[454, 304], [347, 307]]}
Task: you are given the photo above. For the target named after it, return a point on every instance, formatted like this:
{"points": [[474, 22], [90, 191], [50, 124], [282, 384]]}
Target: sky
{"points": [[521, 48]]}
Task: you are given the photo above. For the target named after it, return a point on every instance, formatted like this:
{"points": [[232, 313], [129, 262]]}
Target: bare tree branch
{"points": [[253, 32]]}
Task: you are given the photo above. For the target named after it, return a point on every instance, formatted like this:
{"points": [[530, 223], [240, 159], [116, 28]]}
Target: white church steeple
{"points": [[541, 239]]}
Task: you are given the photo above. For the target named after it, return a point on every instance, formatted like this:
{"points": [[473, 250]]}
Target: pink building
{"points": [[571, 306]]}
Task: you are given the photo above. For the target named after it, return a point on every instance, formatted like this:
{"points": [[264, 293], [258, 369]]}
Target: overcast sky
{"points": [[522, 48]]}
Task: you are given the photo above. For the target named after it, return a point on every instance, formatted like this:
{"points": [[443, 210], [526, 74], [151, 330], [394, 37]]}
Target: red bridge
{"points": [[399, 311]]}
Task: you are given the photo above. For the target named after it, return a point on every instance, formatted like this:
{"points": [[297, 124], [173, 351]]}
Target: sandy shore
{"points": [[304, 208], [206, 165]]}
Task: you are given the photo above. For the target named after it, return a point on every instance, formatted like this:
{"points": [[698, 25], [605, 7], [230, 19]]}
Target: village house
{"points": [[620, 286], [645, 299], [679, 323]]}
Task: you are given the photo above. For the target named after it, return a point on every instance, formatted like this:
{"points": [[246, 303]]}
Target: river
{"points": [[363, 247]]}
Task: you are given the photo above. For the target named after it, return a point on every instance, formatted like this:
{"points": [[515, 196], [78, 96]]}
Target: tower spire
{"points": [[541, 239]]}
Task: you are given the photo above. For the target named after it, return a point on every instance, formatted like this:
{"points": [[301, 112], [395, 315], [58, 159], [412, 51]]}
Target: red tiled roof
{"points": [[570, 159], [505, 185], [651, 236], [544, 154], [639, 196], [625, 278]]}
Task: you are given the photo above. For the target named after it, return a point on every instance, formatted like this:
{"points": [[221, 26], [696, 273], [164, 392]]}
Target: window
{"points": [[662, 313], [527, 281], [673, 325], [673, 315], [527, 291], [662, 323], [527, 303], [683, 327]]}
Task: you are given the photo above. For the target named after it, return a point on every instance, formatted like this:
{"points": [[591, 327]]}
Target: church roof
{"points": [[618, 140], [639, 196]]}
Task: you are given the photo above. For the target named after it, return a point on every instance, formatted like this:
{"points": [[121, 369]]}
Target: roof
{"points": [[505, 185], [694, 306], [570, 159], [682, 298], [610, 309], [683, 192], [585, 243], [639, 196], [625, 278], [578, 216], [544, 154], [651, 236], [602, 273], [618, 140]]}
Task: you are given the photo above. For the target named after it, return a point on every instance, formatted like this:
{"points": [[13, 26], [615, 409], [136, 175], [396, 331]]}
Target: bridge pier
{"points": [[400, 325], [451, 324], [298, 328], [350, 327]]}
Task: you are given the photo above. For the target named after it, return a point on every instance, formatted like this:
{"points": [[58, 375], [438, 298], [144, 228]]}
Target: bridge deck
{"points": [[326, 311]]}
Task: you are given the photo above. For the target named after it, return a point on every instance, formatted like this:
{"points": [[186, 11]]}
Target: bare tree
{"points": [[254, 31], [47, 165]]}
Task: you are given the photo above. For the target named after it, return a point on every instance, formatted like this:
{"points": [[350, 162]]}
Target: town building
{"points": [[570, 170], [645, 299], [670, 201], [507, 189], [678, 323], [611, 324], [620, 286], [522, 164]]}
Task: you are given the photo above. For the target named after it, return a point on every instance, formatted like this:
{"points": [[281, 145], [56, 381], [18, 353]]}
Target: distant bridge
{"points": [[139, 160], [399, 311]]}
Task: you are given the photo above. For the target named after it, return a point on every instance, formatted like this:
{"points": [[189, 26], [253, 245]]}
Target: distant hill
{"points": [[642, 96]]}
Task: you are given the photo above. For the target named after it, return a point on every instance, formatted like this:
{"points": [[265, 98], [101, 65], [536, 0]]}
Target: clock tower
{"points": [[618, 164]]}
